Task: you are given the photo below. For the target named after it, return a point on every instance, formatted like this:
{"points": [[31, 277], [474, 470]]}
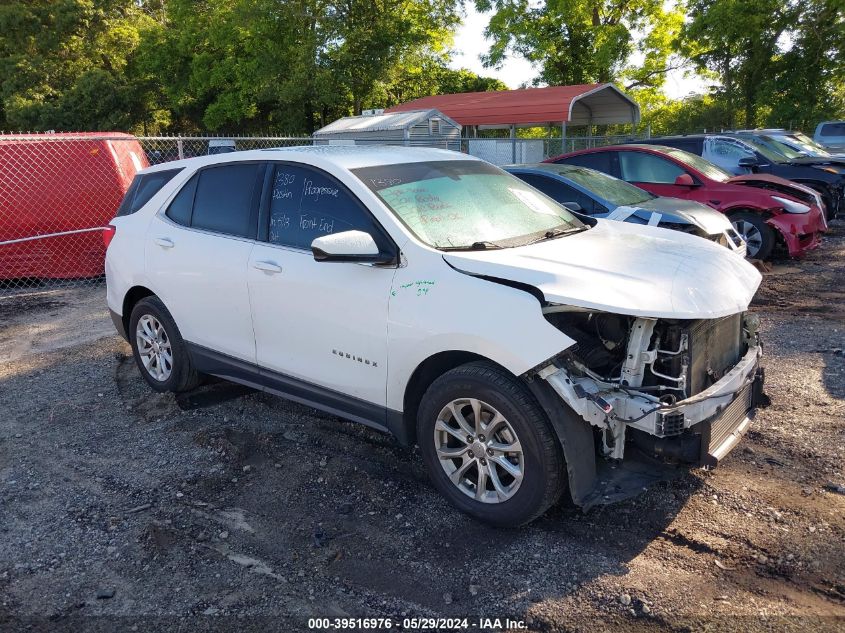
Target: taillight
{"points": [[108, 234]]}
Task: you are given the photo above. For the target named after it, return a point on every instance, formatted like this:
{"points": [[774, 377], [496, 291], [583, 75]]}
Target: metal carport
{"points": [[585, 104]]}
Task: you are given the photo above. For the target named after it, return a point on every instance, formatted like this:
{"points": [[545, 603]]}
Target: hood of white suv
{"points": [[625, 269]]}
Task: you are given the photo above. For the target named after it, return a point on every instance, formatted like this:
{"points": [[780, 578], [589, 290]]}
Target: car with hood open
{"points": [[767, 211], [745, 155], [589, 192], [433, 296]]}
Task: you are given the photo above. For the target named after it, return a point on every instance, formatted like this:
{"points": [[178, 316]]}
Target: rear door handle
{"points": [[267, 267], [165, 242]]}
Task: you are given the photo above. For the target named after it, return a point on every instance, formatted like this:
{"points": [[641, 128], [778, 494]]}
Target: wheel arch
{"points": [[766, 216], [130, 299], [574, 434], [426, 373], [747, 208]]}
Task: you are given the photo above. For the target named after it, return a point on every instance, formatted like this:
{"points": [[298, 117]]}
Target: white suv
{"points": [[433, 296]]}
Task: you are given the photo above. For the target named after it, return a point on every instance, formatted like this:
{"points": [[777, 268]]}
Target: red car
{"points": [[57, 191], [766, 210]]}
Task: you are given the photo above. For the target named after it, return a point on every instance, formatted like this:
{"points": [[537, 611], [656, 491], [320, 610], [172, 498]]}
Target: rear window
{"points": [[688, 145], [143, 188], [599, 161], [833, 129]]}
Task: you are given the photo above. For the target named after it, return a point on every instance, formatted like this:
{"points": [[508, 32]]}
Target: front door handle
{"points": [[165, 242], [267, 267]]}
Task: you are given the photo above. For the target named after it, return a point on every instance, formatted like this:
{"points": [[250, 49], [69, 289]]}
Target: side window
{"points": [[307, 203], [833, 129], [725, 153], [180, 207], [144, 187], [559, 191], [226, 201], [688, 145], [642, 167], [600, 161]]}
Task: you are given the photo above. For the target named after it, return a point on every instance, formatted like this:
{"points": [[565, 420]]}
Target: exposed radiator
{"points": [[715, 346], [730, 418]]}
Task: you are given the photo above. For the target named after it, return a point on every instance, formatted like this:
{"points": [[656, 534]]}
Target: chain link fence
{"points": [[57, 191]]}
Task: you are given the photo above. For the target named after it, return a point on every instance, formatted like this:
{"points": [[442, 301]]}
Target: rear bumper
{"points": [[118, 324], [801, 232]]}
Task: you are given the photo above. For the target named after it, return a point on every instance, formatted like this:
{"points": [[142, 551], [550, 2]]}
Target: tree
{"points": [[64, 63], [583, 41], [372, 36], [778, 63], [289, 66], [808, 83], [737, 40]]}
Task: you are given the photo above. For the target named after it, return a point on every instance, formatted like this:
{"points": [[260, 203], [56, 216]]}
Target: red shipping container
{"points": [[56, 190]]}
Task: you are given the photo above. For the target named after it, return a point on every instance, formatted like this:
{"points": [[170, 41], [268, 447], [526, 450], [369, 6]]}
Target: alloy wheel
{"points": [[154, 347], [479, 450], [751, 234]]}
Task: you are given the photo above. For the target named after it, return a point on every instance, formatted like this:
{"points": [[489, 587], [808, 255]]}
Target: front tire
{"points": [[488, 447], [159, 350], [759, 236]]}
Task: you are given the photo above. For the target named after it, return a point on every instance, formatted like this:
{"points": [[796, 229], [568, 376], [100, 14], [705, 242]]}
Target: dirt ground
{"points": [[231, 509]]}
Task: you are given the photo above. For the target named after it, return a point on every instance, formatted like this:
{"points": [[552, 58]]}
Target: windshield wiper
{"points": [[553, 233], [482, 245]]}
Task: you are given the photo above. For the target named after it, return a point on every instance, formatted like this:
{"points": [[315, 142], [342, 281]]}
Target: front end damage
{"points": [[683, 391]]}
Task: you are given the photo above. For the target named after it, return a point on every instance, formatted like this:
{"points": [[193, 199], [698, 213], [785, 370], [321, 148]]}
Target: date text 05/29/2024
{"points": [[418, 624]]}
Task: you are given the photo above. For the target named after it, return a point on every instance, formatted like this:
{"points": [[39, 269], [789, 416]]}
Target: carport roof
{"points": [[584, 104], [383, 122]]}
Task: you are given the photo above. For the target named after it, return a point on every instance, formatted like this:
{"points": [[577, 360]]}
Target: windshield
{"points": [[776, 146], [769, 154], [808, 145], [466, 204], [612, 189], [714, 172]]}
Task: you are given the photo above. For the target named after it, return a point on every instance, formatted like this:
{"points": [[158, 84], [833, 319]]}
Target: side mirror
{"points": [[685, 180], [348, 246], [572, 206], [749, 161]]}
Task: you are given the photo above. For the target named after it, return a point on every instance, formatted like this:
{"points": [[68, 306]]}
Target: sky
{"points": [[470, 45]]}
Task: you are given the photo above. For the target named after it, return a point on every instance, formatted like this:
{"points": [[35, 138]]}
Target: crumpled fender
{"points": [[576, 440]]}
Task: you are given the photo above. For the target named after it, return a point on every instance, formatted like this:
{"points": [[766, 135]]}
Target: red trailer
{"points": [[57, 191]]}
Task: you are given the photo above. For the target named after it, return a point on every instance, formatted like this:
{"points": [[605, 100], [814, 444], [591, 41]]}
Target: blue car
{"points": [[595, 194]]}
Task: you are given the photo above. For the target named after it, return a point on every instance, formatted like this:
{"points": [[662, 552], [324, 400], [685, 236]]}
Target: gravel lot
{"points": [[234, 509]]}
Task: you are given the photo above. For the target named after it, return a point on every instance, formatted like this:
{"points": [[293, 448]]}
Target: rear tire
{"points": [[759, 236], [159, 350], [505, 471]]}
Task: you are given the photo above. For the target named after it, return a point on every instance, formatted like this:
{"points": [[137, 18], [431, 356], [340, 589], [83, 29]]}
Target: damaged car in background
{"points": [[530, 354], [589, 192]]}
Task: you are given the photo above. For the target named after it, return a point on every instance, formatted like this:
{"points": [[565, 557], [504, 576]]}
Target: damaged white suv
{"points": [[433, 296]]}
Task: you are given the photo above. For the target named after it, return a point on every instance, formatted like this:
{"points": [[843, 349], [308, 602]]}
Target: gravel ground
{"points": [[234, 509]]}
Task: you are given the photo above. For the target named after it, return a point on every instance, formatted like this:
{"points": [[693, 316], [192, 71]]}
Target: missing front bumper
{"points": [[701, 429], [708, 442], [721, 434]]}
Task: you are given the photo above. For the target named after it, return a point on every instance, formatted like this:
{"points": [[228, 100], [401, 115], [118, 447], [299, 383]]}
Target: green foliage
{"points": [[808, 79], [778, 62], [697, 113], [64, 63], [220, 65], [584, 41], [290, 66]]}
